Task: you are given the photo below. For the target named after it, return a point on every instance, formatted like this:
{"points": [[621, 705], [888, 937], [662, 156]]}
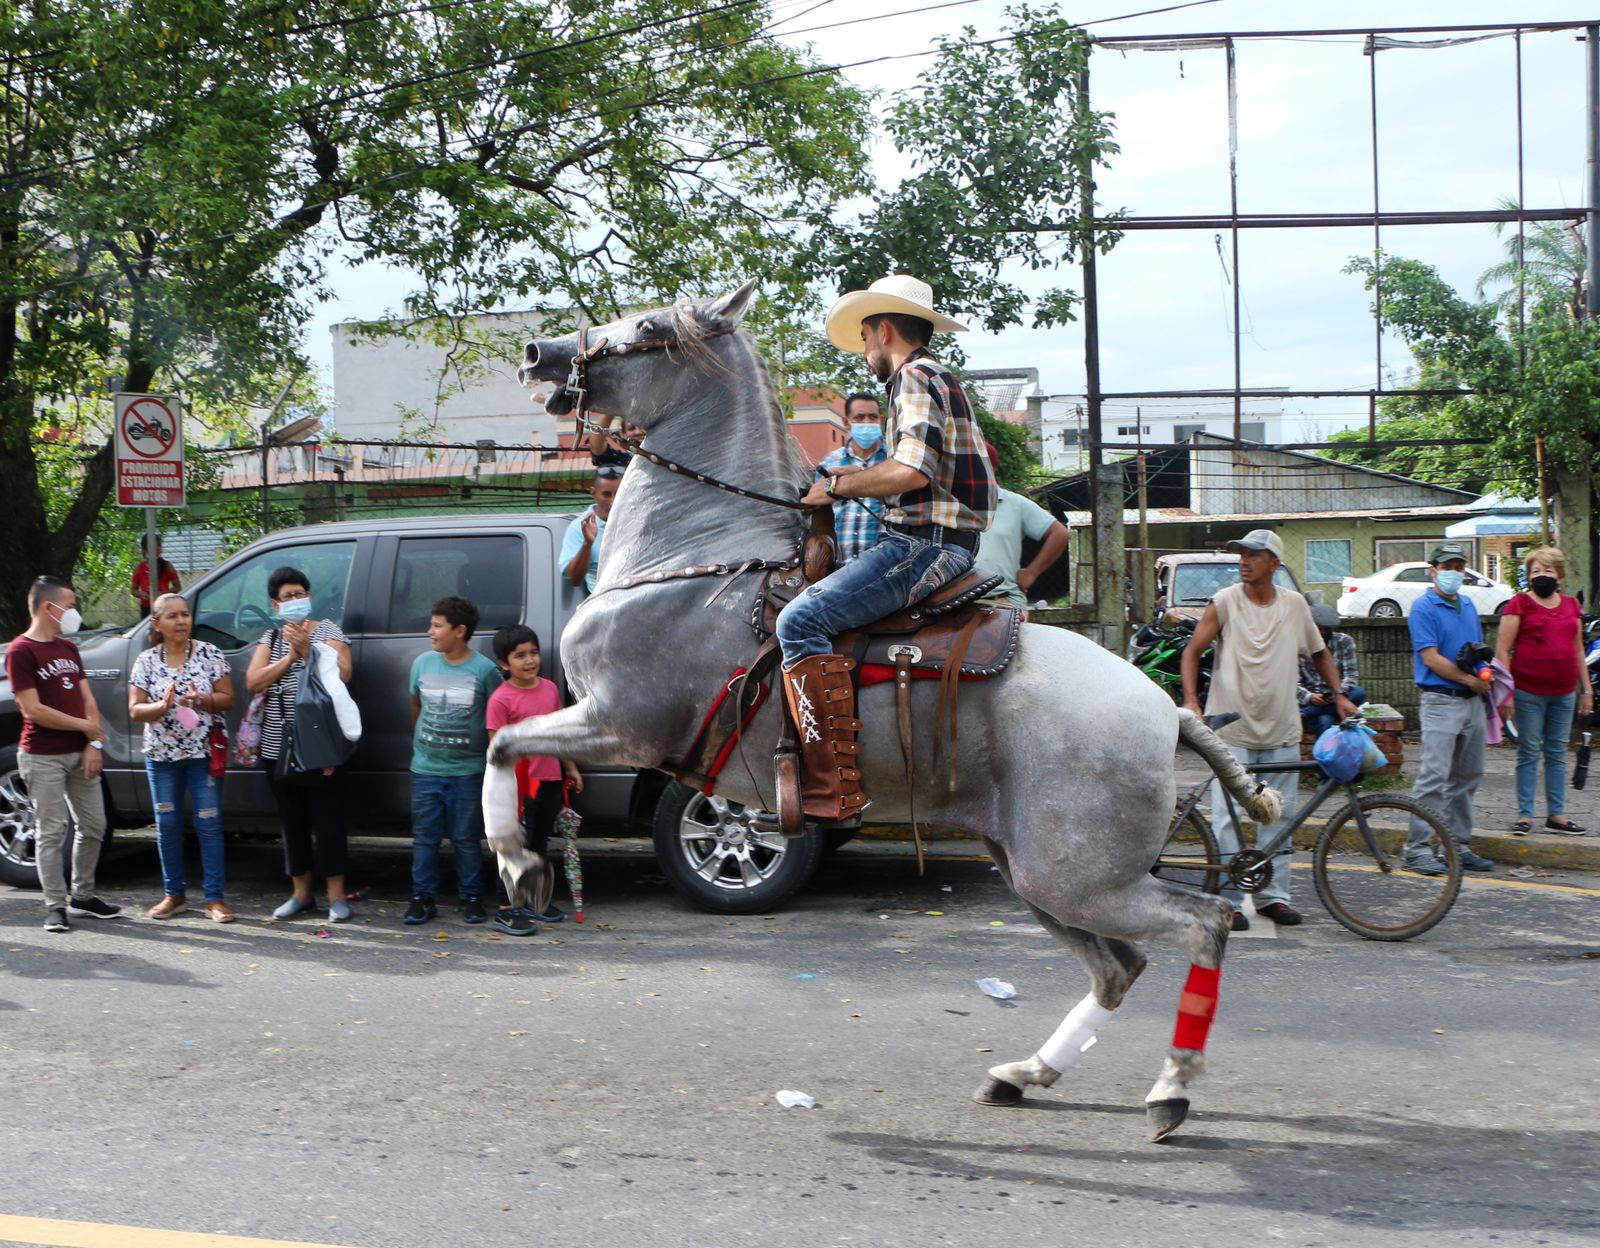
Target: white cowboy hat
{"points": [[895, 293]]}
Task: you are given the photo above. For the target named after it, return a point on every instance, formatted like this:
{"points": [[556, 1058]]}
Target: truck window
{"points": [[490, 570], [234, 610]]}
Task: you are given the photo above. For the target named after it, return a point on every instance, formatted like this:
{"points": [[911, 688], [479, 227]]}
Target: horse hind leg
{"points": [[1113, 965]]}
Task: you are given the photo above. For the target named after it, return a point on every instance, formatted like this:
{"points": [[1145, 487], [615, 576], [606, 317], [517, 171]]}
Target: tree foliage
{"points": [[178, 176]]}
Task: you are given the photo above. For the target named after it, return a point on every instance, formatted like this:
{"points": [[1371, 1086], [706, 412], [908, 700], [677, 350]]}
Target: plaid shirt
{"points": [[1343, 648], [856, 520], [932, 429]]}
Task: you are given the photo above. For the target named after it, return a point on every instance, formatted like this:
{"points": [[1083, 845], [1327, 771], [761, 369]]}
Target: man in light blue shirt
{"points": [[857, 522], [580, 548], [1000, 545]]}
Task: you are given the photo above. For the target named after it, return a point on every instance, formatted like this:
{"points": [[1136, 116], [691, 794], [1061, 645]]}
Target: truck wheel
{"points": [[716, 863], [17, 845]]}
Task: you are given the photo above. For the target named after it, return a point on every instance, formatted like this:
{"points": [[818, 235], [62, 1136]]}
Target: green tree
{"points": [[1518, 385], [179, 176]]}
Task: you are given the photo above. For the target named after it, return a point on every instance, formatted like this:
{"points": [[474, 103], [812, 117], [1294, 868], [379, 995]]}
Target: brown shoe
{"points": [[823, 703], [218, 912], [167, 907]]}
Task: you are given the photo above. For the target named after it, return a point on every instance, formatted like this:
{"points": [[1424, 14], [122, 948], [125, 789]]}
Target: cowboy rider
{"points": [[940, 493]]}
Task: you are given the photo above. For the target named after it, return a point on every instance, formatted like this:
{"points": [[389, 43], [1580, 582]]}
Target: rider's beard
{"points": [[879, 366]]}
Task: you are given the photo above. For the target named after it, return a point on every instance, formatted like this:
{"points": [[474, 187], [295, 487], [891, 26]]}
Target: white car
{"points": [[1388, 595]]}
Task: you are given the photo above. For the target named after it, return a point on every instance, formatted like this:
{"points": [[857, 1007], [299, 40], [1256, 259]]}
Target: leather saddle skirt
{"points": [[927, 632]]}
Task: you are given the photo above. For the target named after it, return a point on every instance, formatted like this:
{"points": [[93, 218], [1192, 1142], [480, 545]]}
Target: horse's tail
{"points": [[1263, 804]]}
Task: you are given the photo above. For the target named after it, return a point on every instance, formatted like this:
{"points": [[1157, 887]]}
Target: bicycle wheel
{"points": [[1379, 904], [1189, 850]]}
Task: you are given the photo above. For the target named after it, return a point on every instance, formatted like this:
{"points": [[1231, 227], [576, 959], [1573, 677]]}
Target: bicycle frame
{"points": [[1324, 791]]}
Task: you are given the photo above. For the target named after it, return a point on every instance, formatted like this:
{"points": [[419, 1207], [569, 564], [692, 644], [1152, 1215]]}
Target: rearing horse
{"points": [[1064, 763]]}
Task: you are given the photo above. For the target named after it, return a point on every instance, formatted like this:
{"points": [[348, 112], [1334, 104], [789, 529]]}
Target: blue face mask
{"points": [[294, 610], [1449, 582], [866, 436]]}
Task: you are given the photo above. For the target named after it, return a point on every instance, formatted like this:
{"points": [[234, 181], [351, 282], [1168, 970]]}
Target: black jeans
{"points": [[312, 813]]}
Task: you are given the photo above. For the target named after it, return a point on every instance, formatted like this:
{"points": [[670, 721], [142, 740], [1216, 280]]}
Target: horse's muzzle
{"points": [[545, 360]]}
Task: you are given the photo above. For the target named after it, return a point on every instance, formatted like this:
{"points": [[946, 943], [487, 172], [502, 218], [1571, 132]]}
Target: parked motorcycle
{"points": [[1156, 649]]}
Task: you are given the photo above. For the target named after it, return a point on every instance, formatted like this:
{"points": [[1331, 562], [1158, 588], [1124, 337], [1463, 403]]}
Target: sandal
{"points": [[1522, 827]]}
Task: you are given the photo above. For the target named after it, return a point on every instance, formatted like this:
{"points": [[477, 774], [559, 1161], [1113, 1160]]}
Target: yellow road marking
{"points": [[57, 1234]]}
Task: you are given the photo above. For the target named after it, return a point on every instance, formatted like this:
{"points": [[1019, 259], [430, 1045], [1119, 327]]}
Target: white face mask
{"points": [[69, 621]]}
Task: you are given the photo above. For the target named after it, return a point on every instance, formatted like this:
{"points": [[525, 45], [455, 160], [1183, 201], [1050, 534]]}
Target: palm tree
{"points": [[1553, 262]]}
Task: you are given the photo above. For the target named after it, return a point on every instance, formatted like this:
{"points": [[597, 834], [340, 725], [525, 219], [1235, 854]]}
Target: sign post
{"points": [[150, 470]]}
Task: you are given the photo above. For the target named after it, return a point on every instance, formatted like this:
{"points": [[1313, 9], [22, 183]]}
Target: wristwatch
{"points": [[97, 745], [830, 486]]}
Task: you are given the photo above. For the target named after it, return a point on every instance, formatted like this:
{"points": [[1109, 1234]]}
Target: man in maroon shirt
{"points": [[59, 755]]}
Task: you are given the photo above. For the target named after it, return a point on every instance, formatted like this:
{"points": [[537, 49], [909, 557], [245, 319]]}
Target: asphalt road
{"points": [[614, 1084]]}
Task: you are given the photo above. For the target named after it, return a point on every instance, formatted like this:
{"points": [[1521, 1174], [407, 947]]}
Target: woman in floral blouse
{"points": [[178, 691]]}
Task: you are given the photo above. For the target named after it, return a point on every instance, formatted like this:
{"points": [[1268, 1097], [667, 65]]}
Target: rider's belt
{"points": [[1449, 693], [937, 534]]}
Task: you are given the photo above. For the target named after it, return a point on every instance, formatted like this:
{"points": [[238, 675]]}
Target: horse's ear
{"points": [[729, 310]]}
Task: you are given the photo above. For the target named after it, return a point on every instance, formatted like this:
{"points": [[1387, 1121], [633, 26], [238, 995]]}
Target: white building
{"points": [[455, 383], [1151, 422]]}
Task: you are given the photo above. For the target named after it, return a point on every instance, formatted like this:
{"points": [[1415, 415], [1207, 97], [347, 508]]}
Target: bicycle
{"points": [[1357, 863]]}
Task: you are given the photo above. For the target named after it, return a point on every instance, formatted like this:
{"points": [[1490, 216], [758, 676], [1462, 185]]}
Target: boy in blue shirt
{"points": [[450, 688], [1452, 713]]}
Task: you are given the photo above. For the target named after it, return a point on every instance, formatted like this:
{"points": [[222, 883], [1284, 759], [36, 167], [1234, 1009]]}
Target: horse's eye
{"points": [[646, 329]]}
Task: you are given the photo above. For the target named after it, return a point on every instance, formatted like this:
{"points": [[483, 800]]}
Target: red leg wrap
{"points": [[1196, 1008]]}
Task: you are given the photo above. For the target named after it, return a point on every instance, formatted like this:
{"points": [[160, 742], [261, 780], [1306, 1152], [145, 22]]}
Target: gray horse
{"points": [[1065, 759]]}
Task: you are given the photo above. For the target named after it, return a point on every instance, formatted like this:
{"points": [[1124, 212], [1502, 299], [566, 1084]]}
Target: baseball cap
{"points": [[1324, 616], [1447, 550], [1258, 539]]}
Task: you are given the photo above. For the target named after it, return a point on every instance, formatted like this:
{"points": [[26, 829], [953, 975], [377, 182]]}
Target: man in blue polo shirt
{"points": [[1453, 720]]}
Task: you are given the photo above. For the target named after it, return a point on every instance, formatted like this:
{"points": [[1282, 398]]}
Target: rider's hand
{"points": [[816, 496]]}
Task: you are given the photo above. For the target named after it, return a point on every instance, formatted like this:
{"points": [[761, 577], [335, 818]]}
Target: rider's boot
{"points": [[823, 703]]}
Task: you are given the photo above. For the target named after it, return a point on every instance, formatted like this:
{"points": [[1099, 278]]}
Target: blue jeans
{"points": [[1318, 719], [896, 572], [1287, 783], [1543, 726], [168, 783], [441, 805]]}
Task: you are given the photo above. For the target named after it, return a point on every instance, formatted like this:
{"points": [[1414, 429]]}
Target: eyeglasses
{"points": [[292, 596]]}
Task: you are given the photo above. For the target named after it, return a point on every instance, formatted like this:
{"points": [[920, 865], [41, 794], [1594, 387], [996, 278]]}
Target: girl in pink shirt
{"points": [[540, 777]]}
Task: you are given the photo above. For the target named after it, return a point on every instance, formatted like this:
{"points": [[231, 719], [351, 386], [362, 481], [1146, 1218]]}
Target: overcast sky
{"points": [[1448, 140]]}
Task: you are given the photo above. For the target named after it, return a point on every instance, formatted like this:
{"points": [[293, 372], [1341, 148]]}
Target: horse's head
{"points": [[632, 367]]}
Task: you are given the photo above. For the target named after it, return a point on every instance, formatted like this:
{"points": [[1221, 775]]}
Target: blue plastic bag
{"points": [[1344, 753]]}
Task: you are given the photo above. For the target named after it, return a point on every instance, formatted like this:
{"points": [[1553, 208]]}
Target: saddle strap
{"points": [[902, 701], [949, 688]]}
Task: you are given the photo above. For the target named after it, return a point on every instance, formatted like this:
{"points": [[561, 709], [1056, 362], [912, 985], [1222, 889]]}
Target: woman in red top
{"points": [[1541, 643]]}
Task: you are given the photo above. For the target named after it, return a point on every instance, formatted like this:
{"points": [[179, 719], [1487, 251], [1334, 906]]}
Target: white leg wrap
{"points": [[502, 805], [1075, 1035]]}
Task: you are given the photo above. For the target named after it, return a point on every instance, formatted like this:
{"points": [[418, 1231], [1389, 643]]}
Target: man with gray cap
{"points": [[1262, 631], [1452, 714], [1316, 700]]}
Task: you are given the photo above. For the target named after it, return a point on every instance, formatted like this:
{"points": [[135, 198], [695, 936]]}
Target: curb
{"points": [[1534, 850]]}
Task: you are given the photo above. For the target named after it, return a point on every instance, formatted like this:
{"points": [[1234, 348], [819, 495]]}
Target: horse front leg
{"points": [[572, 733]]}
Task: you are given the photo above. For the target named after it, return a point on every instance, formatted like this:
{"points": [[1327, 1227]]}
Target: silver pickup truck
{"points": [[378, 580]]}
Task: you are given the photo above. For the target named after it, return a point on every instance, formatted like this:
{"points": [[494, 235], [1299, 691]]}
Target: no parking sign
{"points": [[149, 445]]}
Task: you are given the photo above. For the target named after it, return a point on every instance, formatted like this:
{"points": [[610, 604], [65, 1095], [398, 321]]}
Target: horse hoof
{"points": [[1165, 1117], [994, 1091]]}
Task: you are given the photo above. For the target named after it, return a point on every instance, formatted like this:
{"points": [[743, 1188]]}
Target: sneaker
{"points": [[291, 908], [552, 915], [55, 919], [1475, 862], [1427, 866], [1281, 913], [1240, 922], [92, 908], [514, 921], [422, 909]]}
